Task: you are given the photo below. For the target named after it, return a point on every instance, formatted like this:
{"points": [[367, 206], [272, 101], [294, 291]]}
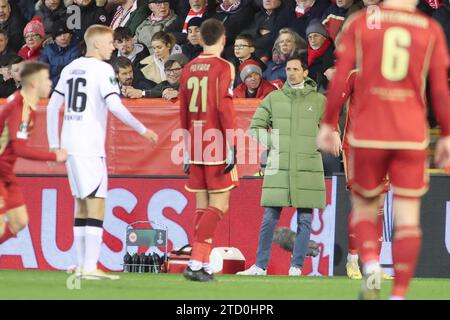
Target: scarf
{"points": [[300, 11], [191, 15], [121, 16], [154, 18], [231, 8], [279, 58], [313, 55], [434, 3]]}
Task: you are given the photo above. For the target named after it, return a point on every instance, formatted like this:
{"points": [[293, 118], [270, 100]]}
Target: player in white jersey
{"points": [[88, 89]]}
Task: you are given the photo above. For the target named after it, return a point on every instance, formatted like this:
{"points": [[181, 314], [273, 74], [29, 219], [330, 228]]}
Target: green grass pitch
{"points": [[52, 285]]}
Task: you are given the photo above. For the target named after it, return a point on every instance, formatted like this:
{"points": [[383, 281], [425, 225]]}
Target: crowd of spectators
{"points": [[148, 34]]}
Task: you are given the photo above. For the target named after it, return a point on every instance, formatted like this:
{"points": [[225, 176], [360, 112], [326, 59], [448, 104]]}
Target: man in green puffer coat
{"points": [[294, 171]]}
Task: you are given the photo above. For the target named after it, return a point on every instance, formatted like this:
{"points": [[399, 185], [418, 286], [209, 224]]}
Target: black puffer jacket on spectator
{"points": [[234, 22], [274, 22], [50, 16], [191, 51], [90, 14], [300, 22], [14, 28], [334, 17]]}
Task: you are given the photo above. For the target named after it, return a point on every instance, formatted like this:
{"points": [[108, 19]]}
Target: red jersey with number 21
{"points": [[206, 107]]}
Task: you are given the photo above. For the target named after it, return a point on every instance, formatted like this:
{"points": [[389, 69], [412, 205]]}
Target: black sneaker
{"points": [[199, 275]]}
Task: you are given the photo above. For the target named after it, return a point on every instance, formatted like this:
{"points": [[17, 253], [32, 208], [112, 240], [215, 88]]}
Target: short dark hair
{"points": [[121, 63], [122, 33], [32, 67], [300, 57], [211, 30], [247, 38]]}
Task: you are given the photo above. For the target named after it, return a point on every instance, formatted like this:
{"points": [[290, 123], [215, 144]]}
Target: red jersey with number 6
{"points": [[206, 108], [394, 51]]}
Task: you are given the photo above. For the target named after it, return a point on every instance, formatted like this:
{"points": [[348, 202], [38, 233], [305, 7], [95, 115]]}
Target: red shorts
{"points": [[348, 181], [407, 171], [211, 178], [12, 195]]}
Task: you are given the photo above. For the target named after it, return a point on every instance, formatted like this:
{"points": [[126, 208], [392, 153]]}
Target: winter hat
{"points": [[59, 28], [178, 57], [316, 27], [35, 26], [195, 21], [248, 67]]}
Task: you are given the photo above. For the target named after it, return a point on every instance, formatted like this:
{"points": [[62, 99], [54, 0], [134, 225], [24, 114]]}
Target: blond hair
{"points": [[96, 30]]}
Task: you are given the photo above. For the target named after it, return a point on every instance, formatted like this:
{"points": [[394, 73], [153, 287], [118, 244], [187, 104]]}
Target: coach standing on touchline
{"points": [[294, 173]]}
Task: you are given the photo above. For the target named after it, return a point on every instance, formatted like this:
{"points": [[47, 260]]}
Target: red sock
{"points": [[198, 215], [405, 251], [206, 229], [380, 230], [8, 234], [352, 243], [366, 236]]}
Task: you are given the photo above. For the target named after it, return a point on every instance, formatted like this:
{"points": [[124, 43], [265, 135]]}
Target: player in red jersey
{"points": [[17, 119], [352, 265], [207, 114], [394, 51]]}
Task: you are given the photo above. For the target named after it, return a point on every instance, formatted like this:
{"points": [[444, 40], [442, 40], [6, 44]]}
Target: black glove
{"points": [[231, 159], [186, 164]]}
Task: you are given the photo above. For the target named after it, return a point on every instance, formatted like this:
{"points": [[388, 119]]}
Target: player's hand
{"points": [[231, 159], [328, 140], [61, 155], [442, 155], [151, 136]]}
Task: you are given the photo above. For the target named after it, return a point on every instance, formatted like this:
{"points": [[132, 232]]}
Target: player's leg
{"points": [[352, 265], [79, 232], [304, 219], [15, 216], [410, 181], [201, 203], [94, 232]]}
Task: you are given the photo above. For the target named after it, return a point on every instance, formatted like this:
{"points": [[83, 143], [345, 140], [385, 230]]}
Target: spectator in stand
{"points": [[305, 11], [127, 47], [51, 11], [244, 49], [197, 8], [34, 35], [287, 44], [7, 85], [129, 82], [266, 25], [429, 6], [63, 51], [234, 15], [11, 77], [160, 18], [442, 15], [168, 89], [320, 54], [129, 13], [91, 13], [335, 15], [164, 45], [253, 85], [192, 48], [27, 8], [13, 23]]}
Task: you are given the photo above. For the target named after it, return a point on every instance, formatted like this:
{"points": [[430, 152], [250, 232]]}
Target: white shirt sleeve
{"points": [[54, 105], [117, 108]]}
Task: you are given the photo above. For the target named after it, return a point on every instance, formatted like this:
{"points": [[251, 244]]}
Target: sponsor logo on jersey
{"points": [[113, 80]]}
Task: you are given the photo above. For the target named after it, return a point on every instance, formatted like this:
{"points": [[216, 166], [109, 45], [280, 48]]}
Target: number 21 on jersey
{"points": [[195, 84]]}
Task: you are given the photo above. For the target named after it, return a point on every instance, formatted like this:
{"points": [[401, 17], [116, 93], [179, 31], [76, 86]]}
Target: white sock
{"points": [[371, 266], [93, 246], [207, 268], [352, 258], [79, 239], [195, 265]]}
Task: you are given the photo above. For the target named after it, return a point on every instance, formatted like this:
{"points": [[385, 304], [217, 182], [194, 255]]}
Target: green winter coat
{"points": [[294, 173]]}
